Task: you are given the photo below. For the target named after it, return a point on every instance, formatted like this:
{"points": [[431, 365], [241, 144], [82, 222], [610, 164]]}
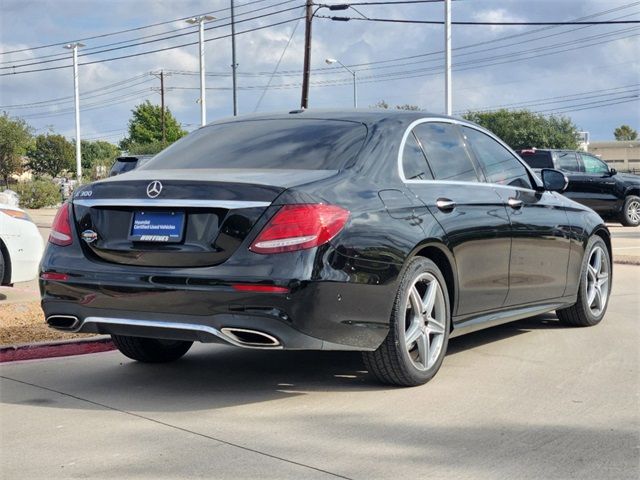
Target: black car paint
{"points": [[342, 293], [605, 192]]}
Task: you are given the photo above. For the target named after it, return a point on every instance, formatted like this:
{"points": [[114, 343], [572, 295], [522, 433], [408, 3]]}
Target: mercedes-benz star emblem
{"points": [[154, 189]]}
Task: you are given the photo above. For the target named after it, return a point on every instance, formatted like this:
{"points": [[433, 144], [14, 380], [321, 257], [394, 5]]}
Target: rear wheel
{"points": [[594, 289], [1, 266], [151, 350], [630, 216], [419, 329]]}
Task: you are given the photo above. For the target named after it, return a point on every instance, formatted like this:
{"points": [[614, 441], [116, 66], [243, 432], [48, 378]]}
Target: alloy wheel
{"points": [[425, 321], [597, 280], [633, 211]]}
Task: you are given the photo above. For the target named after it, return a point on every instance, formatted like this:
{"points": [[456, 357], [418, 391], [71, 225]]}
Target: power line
{"points": [[147, 41], [89, 50], [143, 27], [440, 22], [153, 51]]}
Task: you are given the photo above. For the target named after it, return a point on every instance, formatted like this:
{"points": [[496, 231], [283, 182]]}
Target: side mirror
{"points": [[554, 180], [612, 171]]}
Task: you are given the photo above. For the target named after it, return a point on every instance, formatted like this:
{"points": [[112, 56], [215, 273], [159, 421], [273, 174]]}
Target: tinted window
{"points": [[568, 161], [446, 153], [123, 165], [538, 159], [499, 165], [269, 144], [594, 165], [414, 164]]}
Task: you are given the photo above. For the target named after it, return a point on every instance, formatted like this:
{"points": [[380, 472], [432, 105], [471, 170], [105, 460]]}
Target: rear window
{"points": [[301, 144], [538, 159]]}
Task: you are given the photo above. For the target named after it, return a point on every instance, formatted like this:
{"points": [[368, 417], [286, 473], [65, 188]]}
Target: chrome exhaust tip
{"points": [[63, 322], [251, 338]]}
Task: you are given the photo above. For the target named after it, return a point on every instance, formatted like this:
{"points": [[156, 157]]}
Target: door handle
{"points": [[515, 203], [445, 204]]}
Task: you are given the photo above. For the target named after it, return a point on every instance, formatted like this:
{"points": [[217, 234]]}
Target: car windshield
{"points": [[302, 144]]}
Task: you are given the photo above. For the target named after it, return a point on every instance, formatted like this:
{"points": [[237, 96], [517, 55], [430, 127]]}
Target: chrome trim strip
{"points": [[167, 202], [191, 327], [455, 182]]}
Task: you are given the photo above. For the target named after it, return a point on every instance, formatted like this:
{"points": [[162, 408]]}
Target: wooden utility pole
{"points": [[164, 133], [306, 72]]}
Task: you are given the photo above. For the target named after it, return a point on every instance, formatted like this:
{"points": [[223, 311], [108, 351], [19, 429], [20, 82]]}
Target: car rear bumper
{"points": [[313, 315]]}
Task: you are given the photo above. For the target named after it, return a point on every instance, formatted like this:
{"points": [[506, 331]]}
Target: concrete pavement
{"points": [[526, 400]]}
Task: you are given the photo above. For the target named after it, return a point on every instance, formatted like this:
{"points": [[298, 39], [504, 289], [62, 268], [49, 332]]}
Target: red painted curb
{"points": [[51, 350]]}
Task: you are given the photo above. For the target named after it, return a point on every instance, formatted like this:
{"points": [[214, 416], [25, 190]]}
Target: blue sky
{"points": [[591, 73]]}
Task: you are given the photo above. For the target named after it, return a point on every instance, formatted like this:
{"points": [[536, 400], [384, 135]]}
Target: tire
{"points": [[594, 288], [398, 360], [150, 350], [1, 266], [630, 215]]}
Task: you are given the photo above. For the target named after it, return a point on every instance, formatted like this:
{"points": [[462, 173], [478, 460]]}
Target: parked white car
{"points": [[21, 246]]}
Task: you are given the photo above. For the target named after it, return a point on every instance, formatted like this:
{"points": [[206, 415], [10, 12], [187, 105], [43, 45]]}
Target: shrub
{"points": [[38, 194]]}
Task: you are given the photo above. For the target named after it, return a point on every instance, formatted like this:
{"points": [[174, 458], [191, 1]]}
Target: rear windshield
{"points": [[538, 159], [302, 144]]}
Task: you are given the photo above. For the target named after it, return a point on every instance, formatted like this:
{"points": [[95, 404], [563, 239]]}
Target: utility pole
{"points": [[304, 103], [234, 65], [203, 94], [76, 90], [164, 132], [447, 48]]}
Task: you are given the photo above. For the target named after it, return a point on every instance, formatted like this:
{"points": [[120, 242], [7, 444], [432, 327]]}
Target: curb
{"points": [[626, 260], [63, 348]]}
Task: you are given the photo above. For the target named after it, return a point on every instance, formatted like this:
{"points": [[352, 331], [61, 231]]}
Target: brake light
{"points": [[62, 277], [61, 228], [298, 227], [248, 287]]}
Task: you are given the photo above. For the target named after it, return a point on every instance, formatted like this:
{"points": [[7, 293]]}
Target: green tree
{"points": [[384, 105], [51, 155], [15, 138], [625, 132], [145, 127], [97, 153], [526, 129]]}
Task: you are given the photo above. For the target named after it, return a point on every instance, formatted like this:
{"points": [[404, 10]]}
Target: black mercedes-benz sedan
{"points": [[376, 231]]}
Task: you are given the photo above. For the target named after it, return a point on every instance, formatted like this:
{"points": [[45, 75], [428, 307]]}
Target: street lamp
{"points": [[200, 20], [76, 92], [330, 61]]}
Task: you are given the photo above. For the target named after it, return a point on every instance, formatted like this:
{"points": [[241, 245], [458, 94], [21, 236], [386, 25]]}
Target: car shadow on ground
{"points": [[215, 376]]}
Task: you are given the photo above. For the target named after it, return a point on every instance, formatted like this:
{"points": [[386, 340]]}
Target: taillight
{"points": [[296, 227], [61, 228]]}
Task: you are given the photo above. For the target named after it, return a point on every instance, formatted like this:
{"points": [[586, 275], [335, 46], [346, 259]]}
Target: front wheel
{"points": [[594, 289], [419, 329], [151, 350], [630, 216]]}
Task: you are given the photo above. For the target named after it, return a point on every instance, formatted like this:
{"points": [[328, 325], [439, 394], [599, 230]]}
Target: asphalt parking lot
{"points": [[526, 400]]}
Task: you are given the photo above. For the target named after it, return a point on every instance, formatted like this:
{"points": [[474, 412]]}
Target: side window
{"points": [[498, 163], [414, 164], [567, 161], [446, 153], [594, 165]]}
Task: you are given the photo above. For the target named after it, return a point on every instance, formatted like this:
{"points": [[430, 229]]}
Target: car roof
{"points": [[364, 116]]}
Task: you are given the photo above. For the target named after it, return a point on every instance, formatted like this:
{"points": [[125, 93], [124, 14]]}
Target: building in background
{"points": [[624, 155]]}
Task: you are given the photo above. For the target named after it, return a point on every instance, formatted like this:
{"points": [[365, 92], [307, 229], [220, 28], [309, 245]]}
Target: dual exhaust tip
{"points": [[241, 336]]}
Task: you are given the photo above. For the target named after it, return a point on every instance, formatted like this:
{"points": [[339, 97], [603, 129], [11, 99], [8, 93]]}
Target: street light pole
{"points": [[203, 98], [330, 61], [447, 47], [76, 91], [234, 65]]}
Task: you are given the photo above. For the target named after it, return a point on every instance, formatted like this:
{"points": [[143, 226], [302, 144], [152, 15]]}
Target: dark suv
{"points": [[126, 164], [611, 194]]}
